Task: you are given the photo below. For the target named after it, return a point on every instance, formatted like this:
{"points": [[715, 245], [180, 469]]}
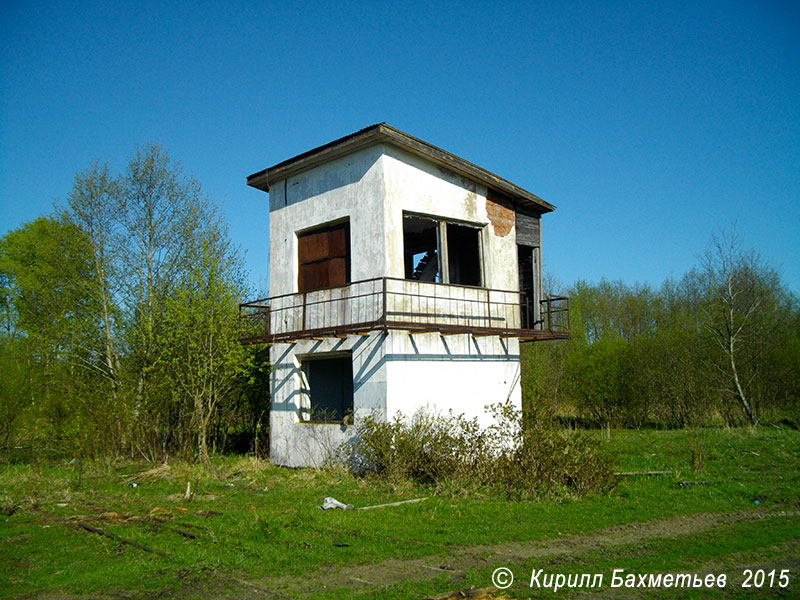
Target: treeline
{"points": [[119, 321], [720, 345], [120, 325]]}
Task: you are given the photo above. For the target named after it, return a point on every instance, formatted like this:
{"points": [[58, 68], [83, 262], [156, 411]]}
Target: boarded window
{"points": [[323, 257], [330, 388], [528, 228]]}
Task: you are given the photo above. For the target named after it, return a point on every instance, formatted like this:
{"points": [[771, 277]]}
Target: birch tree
{"points": [[162, 210], [93, 205], [739, 294]]}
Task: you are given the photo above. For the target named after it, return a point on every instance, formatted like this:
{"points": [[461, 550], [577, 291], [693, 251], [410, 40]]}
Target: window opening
{"points": [[323, 257], [330, 388], [463, 254], [441, 252], [421, 249]]}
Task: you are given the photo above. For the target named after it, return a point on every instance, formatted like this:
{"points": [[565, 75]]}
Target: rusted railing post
{"points": [[383, 315], [549, 314]]}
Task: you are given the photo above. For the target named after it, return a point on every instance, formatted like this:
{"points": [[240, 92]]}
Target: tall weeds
{"points": [[452, 453]]}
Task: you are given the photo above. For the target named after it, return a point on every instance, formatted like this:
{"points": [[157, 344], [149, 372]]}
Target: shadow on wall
{"points": [[339, 173], [285, 370]]}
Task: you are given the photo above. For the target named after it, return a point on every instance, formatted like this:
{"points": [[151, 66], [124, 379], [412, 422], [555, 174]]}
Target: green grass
{"points": [[264, 522]]}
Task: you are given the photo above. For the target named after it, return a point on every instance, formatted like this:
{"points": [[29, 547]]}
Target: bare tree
{"points": [[739, 292], [93, 206]]}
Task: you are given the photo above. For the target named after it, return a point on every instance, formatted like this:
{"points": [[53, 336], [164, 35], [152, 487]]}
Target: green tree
{"points": [[201, 334], [45, 269], [45, 274], [543, 365], [16, 387], [254, 400], [596, 378], [165, 220], [119, 315]]}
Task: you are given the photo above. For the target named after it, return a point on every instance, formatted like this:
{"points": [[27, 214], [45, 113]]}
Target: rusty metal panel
{"points": [[337, 271], [324, 258], [313, 276], [313, 246], [337, 241]]}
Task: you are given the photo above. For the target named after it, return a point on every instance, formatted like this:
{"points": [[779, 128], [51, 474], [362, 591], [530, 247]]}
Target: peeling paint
{"points": [[500, 212], [470, 206]]}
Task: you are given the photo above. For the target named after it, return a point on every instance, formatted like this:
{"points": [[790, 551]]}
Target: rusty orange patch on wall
{"points": [[500, 212]]}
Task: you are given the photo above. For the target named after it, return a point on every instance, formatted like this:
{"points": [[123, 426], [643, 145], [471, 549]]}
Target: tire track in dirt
{"points": [[375, 576]]}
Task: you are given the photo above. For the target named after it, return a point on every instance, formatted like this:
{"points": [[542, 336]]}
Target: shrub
{"points": [[452, 452]]}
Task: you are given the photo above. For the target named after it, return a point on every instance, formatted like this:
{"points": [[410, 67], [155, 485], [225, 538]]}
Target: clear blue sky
{"points": [[648, 124]]}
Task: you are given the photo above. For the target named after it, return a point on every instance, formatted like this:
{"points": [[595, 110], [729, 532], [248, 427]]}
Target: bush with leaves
{"points": [[451, 452]]}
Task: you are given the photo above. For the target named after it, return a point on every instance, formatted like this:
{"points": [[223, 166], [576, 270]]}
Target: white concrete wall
{"points": [[415, 185], [393, 372], [298, 444], [349, 187], [461, 373]]}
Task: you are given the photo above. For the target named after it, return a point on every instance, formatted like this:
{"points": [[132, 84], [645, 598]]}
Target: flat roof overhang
{"points": [[386, 134]]}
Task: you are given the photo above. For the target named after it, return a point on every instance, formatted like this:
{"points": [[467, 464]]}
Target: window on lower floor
{"points": [[439, 251], [330, 388]]}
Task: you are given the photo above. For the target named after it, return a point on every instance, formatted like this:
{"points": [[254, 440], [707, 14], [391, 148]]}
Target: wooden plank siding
{"points": [[528, 229]]}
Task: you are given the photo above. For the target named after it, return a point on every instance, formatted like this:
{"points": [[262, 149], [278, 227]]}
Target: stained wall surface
{"points": [[393, 372]]}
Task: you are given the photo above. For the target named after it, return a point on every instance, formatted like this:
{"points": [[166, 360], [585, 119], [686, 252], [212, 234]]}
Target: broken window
{"points": [[330, 388], [463, 254], [421, 248], [323, 257], [441, 252]]}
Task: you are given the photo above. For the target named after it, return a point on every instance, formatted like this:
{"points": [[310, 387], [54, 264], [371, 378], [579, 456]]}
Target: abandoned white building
{"points": [[401, 277]]}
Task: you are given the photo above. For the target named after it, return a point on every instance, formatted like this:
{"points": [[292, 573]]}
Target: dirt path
{"points": [[459, 559], [451, 566]]}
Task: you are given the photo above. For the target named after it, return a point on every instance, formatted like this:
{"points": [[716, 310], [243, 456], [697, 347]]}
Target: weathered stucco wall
{"points": [[415, 185], [393, 372], [297, 444], [461, 373], [349, 187]]}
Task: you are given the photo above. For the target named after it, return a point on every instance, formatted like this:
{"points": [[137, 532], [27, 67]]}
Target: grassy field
{"points": [[251, 530]]}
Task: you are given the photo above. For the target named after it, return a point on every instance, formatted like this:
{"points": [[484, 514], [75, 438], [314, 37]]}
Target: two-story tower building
{"points": [[401, 277]]}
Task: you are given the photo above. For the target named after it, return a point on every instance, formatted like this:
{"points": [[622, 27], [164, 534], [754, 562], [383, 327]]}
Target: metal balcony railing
{"points": [[387, 303]]}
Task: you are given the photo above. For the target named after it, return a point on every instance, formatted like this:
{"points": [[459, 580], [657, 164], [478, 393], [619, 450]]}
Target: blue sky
{"points": [[648, 124]]}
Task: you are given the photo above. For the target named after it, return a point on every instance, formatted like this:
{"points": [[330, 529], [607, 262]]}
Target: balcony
{"points": [[386, 303]]}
